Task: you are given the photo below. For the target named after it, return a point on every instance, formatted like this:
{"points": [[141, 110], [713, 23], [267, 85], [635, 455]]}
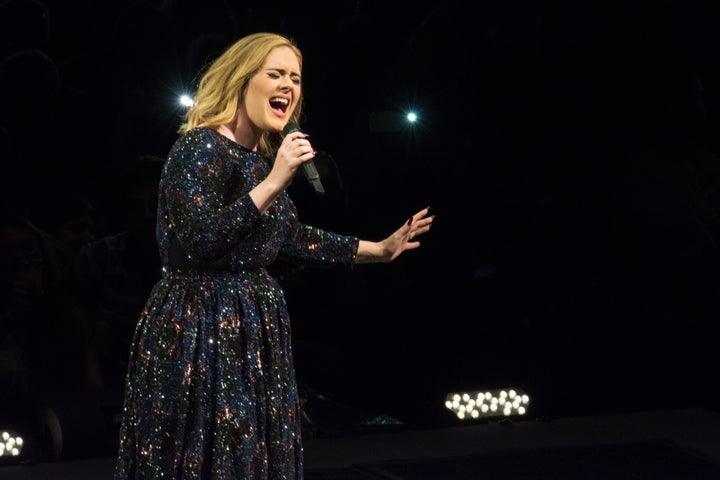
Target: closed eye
{"points": [[277, 74]]}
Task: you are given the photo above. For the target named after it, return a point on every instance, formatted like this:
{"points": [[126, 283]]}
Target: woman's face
{"points": [[274, 91]]}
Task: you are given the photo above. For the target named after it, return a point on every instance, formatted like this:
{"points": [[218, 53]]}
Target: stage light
{"points": [[394, 121], [11, 443], [186, 101], [488, 403], [18, 435]]}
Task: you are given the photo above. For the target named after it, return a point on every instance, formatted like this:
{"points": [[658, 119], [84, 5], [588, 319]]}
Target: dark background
{"points": [[568, 149]]}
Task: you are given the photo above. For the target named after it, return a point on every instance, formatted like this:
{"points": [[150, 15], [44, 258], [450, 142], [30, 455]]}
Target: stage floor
{"points": [[693, 433]]}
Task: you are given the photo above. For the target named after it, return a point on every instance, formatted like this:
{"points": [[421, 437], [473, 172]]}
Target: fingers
{"points": [[296, 134], [420, 220], [298, 147], [299, 142], [413, 234], [422, 214], [417, 225]]}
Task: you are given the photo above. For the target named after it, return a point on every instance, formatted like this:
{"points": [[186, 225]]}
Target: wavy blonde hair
{"points": [[224, 82]]}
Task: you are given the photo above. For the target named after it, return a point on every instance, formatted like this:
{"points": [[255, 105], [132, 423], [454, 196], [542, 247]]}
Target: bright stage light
{"points": [[488, 403], [11, 443], [186, 101], [17, 440], [394, 121]]}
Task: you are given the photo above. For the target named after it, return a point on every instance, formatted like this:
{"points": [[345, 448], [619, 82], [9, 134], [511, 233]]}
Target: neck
{"points": [[240, 136]]}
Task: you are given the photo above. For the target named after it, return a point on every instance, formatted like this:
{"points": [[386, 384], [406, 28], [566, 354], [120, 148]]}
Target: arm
{"points": [[399, 241], [198, 175], [195, 181], [314, 246], [310, 245]]}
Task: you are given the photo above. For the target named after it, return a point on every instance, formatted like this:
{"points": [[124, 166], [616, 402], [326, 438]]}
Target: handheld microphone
{"points": [[308, 167]]}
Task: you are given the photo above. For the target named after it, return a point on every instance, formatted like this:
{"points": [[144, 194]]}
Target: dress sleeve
{"points": [[207, 222], [316, 247]]}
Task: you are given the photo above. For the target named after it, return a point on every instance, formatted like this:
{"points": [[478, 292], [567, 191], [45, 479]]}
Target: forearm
{"points": [[371, 252], [265, 193], [312, 246]]}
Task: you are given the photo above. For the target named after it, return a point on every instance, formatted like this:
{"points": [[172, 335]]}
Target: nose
{"points": [[286, 83]]}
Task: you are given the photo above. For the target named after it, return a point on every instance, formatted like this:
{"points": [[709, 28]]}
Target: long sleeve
{"points": [[206, 218], [203, 209], [317, 247]]}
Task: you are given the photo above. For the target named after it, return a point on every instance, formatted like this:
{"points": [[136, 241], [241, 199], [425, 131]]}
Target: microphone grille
{"points": [[290, 128]]}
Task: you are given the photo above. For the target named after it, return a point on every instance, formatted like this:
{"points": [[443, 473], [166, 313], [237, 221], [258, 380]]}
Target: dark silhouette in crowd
{"points": [[116, 272], [45, 340], [71, 219]]}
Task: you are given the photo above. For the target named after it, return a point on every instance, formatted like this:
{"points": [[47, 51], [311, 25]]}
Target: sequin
{"points": [[210, 389]]}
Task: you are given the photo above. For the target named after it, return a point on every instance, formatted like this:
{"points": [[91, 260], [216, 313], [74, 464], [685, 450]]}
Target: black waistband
{"points": [[177, 259]]}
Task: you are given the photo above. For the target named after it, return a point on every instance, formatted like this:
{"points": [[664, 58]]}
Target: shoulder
{"points": [[199, 137], [199, 145], [199, 151]]}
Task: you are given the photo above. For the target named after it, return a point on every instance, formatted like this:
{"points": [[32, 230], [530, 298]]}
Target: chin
{"points": [[276, 125]]}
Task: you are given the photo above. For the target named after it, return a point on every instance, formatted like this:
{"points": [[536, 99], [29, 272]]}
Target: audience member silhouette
{"points": [[117, 272], [70, 219], [44, 337]]}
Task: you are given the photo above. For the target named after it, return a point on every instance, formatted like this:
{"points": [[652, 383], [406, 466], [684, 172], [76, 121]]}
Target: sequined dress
{"points": [[210, 390]]}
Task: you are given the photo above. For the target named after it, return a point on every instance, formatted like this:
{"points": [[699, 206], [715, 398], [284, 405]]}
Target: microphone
{"points": [[308, 167]]}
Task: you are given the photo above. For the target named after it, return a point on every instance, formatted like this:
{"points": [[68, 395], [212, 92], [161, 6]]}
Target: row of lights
{"points": [[487, 403]]}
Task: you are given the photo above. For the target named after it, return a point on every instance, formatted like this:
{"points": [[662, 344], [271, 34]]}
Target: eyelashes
{"points": [[276, 76]]}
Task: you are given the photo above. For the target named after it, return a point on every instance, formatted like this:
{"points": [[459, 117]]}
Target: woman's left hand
{"points": [[402, 239]]}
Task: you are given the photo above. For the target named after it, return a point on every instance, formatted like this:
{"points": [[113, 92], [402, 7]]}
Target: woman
{"points": [[211, 389]]}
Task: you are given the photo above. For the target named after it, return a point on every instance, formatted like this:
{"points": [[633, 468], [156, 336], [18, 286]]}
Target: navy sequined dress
{"points": [[211, 390]]}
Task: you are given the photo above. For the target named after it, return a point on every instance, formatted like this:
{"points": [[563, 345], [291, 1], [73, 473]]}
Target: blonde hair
{"points": [[224, 82]]}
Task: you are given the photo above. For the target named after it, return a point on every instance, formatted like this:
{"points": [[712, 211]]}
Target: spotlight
{"points": [[488, 403], [186, 101], [393, 121]]}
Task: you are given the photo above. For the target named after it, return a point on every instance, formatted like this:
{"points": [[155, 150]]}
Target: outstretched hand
{"points": [[402, 239], [405, 237]]}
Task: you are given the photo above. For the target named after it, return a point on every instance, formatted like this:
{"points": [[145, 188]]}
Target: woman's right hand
{"points": [[294, 150]]}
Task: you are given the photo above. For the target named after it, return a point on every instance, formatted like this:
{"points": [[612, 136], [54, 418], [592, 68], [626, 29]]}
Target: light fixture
{"points": [[11, 444], [17, 431], [504, 402], [186, 101]]}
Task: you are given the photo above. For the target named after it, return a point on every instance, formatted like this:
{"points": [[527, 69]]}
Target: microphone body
{"points": [[309, 169]]}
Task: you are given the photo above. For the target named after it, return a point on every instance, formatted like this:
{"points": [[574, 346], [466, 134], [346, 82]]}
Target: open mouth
{"points": [[280, 103]]}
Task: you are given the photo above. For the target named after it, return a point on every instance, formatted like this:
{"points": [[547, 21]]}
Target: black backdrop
{"points": [[568, 149]]}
